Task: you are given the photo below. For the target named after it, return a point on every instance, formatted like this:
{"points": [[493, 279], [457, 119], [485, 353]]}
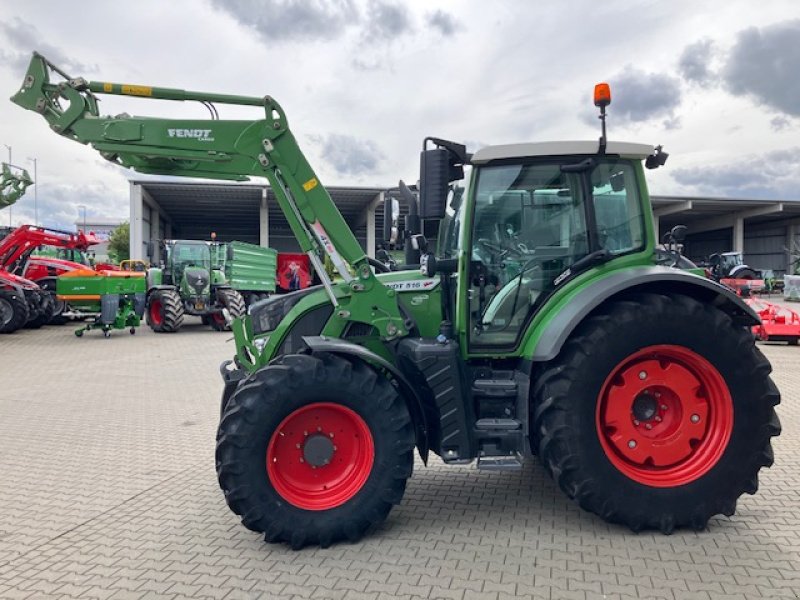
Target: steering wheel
{"points": [[502, 251]]}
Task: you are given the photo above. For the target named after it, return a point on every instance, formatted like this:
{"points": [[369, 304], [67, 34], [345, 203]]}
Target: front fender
{"points": [[413, 400], [638, 279]]}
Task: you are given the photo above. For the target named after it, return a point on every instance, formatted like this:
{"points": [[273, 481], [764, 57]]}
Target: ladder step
{"points": [[511, 462], [497, 424], [496, 388]]}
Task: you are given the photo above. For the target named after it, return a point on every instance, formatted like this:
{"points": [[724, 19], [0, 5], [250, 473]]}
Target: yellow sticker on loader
{"points": [[310, 184], [137, 90]]}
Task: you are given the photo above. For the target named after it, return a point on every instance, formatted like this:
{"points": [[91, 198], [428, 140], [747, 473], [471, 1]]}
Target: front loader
{"points": [[539, 324]]}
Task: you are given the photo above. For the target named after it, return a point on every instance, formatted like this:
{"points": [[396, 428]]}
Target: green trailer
{"points": [[249, 269], [117, 297]]}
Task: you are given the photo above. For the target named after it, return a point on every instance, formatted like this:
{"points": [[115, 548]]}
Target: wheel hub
{"points": [[320, 456], [6, 311], [664, 416], [318, 450], [645, 406]]}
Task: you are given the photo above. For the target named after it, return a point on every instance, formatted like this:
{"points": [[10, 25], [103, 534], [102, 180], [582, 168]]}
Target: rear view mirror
{"points": [[388, 218], [434, 172], [438, 167]]}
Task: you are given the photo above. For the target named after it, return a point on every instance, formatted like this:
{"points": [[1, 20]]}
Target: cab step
{"points": [[509, 462], [497, 425]]}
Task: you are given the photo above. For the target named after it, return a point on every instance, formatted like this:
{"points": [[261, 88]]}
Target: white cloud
{"points": [[458, 69]]}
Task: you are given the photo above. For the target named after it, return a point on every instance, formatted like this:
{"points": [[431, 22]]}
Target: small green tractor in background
{"points": [[186, 282], [541, 325]]}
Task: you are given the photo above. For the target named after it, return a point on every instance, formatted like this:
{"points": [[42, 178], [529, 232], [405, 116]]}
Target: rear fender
{"points": [[409, 394], [654, 279]]}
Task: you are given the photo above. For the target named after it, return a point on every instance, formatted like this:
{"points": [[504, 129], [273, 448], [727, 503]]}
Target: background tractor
{"points": [[187, 283], [21, 254], [539, 324]]}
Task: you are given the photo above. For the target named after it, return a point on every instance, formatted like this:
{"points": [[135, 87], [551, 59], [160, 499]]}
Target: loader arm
{"points": [[222, 149], [26, 238]]}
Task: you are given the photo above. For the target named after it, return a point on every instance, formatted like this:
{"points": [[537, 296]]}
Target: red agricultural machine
{"points": [[17, 257], [778, 323], [22, 302]]}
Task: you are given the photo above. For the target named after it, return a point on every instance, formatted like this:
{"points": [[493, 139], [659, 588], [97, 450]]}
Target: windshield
{"points": [[532, 224], [185, 254], [72, 254]]}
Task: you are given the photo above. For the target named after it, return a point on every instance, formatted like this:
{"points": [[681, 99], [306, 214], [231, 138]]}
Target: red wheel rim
{"points": [[320, 456], [155, 312], [219, 318], [664, 416]]}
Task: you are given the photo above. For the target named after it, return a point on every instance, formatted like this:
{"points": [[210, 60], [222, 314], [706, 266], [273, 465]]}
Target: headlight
{"points": [[267, 314]]}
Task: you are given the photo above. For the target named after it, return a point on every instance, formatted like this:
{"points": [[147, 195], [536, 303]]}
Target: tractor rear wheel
{"points": [[231, 300], [314, 449], [13, 311], [657, 413], [165, 311]]}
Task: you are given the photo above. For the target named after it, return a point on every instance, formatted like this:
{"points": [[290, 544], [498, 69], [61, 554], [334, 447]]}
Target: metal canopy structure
{"points": [[246, 212], [764, 230], [708, 214]]}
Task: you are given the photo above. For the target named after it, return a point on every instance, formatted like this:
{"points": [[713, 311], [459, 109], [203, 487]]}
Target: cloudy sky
{"points": [[364, 81]]}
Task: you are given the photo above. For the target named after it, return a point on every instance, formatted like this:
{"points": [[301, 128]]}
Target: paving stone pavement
{"points": [[107, 490]]}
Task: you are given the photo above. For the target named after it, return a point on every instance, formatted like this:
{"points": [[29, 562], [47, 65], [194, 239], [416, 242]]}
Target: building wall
{"points": [[764, 247]]}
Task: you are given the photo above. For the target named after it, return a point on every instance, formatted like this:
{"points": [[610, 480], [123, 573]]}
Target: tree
{"points": [[119, 246]]}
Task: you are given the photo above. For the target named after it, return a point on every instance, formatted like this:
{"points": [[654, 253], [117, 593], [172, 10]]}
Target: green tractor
{"points": [[540, 325], [186, 282]]}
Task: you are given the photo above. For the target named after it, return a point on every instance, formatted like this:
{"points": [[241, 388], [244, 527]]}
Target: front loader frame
{"points": [[223, 149]]}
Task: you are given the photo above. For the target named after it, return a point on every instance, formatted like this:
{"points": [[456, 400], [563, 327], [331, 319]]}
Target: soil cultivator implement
{"points": [[778, 323], [542, 324]]}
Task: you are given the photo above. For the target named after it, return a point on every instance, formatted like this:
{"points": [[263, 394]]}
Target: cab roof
{"points": [[623, 149]]}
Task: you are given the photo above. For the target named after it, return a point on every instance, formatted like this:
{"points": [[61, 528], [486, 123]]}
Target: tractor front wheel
{"points": [[657, 413], [233, 302], [314, 449], [13, 311], [164, 311]]}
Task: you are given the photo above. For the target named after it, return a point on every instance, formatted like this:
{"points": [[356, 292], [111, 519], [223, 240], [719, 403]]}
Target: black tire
{"points": [[48, 305], [233, 301], [13, 311], [264, 400], [59, 307], [164, 311], [746, 273], [567, 422]]}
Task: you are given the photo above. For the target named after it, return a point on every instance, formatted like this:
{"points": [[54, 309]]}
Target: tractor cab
{"points": [[535, 217], [188, 264]]}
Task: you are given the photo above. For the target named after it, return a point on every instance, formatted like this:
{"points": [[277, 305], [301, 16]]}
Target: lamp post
{"points": [[35, 193], [83, 206], [9, 162]]}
